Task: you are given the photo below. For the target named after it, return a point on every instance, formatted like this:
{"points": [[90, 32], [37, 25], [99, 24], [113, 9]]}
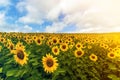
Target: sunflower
{"points": [[42, 37], [89, 46], [10, 46], [2, 40], [49, 63], [55, 40], [79, 53], [55, 50], [64, 47], [20, 56], [93, 57], [111, 55], [34, 37], [38, 41], [79, 45], [60, 41], [20, 45]]}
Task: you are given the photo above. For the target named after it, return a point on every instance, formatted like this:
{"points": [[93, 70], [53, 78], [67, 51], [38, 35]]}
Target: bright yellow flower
{"points": [[79, 53], [111, 55], [64, 47], [49, 63], [93, 57], [20, 56], [55, 50]]}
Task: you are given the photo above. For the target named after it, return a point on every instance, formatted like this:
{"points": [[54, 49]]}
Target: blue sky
{"points": [[59, 16]]}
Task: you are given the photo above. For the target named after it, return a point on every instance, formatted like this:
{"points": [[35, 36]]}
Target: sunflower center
{"points": [[38, 40], [78, 45], [54, 41], [20, 54], [112, 55], [79, 52], [11, 47], [60, 41], [1, 39], [34, 37], [64, 46], [49, 63], [55, 50], [93, 57]]}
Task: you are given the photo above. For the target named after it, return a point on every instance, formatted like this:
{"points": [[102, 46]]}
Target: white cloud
{"points": [[87, 15], [4, 3], [27, 27], [8, 27], [55, 27], [5, 27], [36, 10], [2, 18]]}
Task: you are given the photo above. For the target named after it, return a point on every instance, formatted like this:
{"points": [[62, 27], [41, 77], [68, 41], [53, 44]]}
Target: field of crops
{"points": [[45, 56]]}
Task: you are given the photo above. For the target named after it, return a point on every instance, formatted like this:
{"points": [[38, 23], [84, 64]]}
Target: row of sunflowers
{"points": [[50, 56]]}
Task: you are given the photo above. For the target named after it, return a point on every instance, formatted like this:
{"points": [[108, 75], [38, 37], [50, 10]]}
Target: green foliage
{"points": [[70, 67]]}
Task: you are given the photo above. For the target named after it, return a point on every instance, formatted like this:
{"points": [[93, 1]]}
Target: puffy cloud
{"points": [[4, 3], [2, 18], [87, 15], [26, 27], [36, 10], [55, 27]]}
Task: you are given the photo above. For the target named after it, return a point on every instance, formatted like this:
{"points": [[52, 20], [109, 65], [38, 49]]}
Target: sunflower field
{"points": [[59, 56]]}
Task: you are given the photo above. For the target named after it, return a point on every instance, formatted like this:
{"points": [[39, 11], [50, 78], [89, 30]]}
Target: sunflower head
{"points": [[78, 53], [42, 37], [93, 57], [19, 45], [49, 63], [78, 45], [111, 55], [55, 40], [64, 47], [89, 46], [20, 56], [38, 41], [55, 50]]}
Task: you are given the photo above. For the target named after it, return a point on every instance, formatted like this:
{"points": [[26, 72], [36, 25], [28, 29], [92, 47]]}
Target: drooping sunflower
{"points": [[55, 50], [49, 43], [49, 63], [71, 45], [64, 47], [10, 46], [111, 55], [93, 57], [78, 53], [20, 56]]}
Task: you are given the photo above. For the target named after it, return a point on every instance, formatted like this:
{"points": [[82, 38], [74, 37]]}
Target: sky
{"points": [[60, 16]]}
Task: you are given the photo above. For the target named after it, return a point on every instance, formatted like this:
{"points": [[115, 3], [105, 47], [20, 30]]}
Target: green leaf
{"points": [[112, 76], [11, 73], [112, 66], [57, 73], [18, 73], [1, 70]]}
